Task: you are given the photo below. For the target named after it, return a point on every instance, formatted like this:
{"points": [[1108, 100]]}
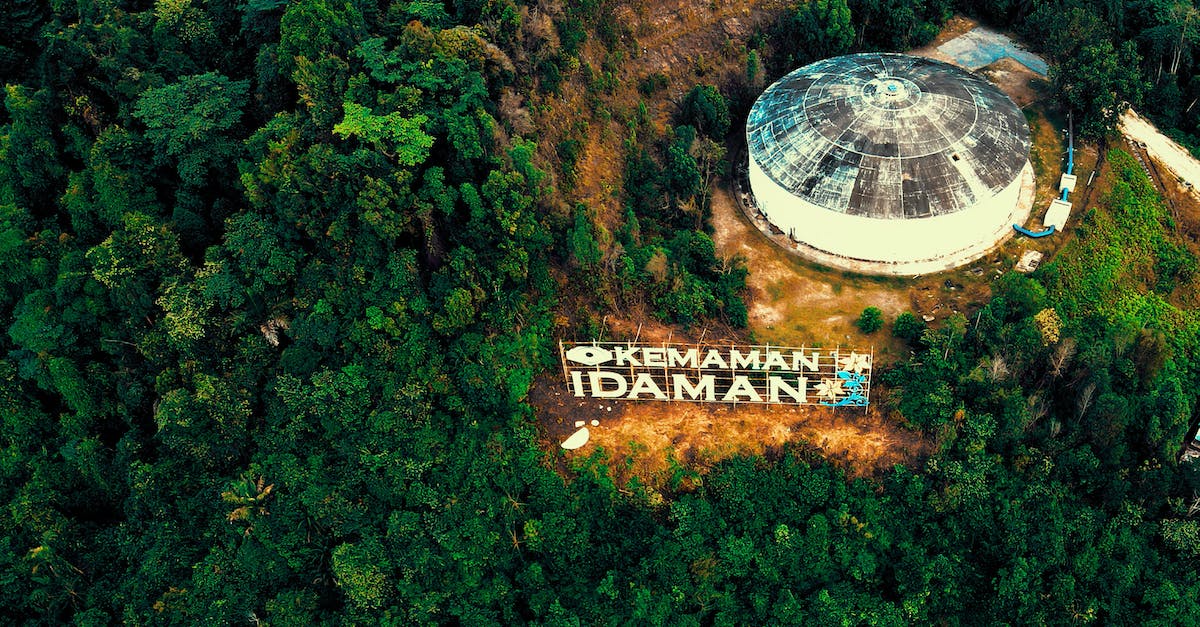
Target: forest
{"points": [[276, 277]]}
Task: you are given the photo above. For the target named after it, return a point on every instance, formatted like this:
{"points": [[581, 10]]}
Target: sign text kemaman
{"points": [[717, 373]]}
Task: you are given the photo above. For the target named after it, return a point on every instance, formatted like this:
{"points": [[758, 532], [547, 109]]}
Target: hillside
{"points": [[283, 284]]}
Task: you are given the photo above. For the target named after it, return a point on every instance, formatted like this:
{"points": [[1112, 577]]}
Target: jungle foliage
{"points": [[277, 278], [1106, 56]]}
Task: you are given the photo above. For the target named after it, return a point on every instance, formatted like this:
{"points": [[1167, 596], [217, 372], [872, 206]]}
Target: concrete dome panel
{"points": [[887, 158]]}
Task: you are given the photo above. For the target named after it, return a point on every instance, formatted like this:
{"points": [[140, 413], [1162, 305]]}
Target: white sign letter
{"points": [[775, 358], [680, 384], [741, 386], [654, 357], [577, 382], [645, 383], [749, 360], [800, 360], [598, 391], [713, 358], [799, 394], [690, 359], [626, 355]]}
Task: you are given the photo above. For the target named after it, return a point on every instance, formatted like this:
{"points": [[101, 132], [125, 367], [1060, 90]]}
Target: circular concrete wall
{"points": [[895, 164]]}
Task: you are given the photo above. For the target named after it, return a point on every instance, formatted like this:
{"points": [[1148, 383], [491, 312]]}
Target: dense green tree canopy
{"points": [[277, 277]]}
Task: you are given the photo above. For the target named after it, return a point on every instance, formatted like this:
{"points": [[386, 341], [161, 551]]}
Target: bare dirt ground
{"points": [[687, 44], [1021, 84], [651, 440], [1176, 158], [791, 301], [674, 36]]}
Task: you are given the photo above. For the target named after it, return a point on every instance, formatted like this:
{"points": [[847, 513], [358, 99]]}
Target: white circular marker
{"points": [[577, 439]]}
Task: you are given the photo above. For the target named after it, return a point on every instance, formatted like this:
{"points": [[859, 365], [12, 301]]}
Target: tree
{"points": [[705, 109], [400, 138], [359, 569], [1049, 326], [754, 71], [134, 261], [822, 28], [1100, 83], [584, 248], [19, 34], [897, 24], [682, 172], [1062, 30], [312, 29], [29, 152], [189, 122]]}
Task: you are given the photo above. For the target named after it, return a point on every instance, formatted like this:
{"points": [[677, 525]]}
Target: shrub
{"points": [[908, 327], [871, 320]]}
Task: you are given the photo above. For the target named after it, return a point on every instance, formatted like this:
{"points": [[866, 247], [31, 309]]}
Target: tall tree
{"points": [[190, 122], [1100, 82]]}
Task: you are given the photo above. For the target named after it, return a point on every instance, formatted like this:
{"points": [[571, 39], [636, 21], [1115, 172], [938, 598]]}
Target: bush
{"points": [[653, 84], [908, 327], [569, 151], [871, 320]]}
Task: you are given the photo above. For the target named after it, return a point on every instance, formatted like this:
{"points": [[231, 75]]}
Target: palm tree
{"points": [[250, 496]]}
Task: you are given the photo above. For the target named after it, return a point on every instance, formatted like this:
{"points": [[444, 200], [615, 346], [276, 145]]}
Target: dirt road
{"points": [[1162, 148]]}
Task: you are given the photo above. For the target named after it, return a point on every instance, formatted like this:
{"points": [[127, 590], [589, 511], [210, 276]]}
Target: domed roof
{"points": [[887, 136]]}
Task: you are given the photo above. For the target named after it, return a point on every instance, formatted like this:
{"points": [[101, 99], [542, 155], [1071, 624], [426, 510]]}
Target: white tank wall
{"points": [[963, 235]]}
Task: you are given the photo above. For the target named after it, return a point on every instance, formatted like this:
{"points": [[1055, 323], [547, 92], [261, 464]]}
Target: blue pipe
{"points": [[1070, 149], [1070, 170], [1070, 146], [1024, 231]]}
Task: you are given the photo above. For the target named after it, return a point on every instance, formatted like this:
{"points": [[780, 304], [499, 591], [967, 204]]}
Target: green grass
{"points": [[1114, 266]]}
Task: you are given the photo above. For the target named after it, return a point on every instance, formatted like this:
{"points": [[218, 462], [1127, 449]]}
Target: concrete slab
{"points": [[1057, 214], [982, 46], [1029, 262]]}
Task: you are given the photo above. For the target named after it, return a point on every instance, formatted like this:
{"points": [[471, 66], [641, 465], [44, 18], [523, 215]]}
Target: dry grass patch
{"points": [[793, 302], [652, 441]]}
